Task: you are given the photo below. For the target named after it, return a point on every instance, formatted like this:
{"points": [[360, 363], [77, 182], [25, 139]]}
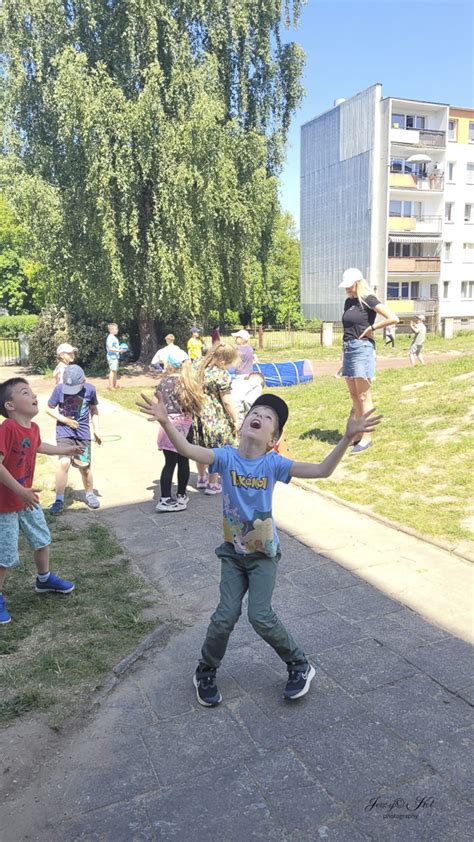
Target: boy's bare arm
{"points": [[29, 496], [321, 470], [63, 449], [155, 408], [94, 410]]}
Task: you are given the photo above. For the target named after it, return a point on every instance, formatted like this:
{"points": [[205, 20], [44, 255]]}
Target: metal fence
{"points": [[10, 351]]}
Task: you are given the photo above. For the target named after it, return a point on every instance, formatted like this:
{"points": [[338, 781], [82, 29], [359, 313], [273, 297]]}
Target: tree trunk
{"points": [[148, 340]]}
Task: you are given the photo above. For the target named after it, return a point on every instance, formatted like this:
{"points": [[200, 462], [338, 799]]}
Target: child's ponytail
{"points": [[191, 393]]}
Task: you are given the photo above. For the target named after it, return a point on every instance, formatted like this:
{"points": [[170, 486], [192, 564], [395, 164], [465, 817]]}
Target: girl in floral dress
{"points": [[217, 422]]}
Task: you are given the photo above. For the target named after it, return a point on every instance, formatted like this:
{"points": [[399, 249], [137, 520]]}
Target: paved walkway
{"points": [[379, 749]]}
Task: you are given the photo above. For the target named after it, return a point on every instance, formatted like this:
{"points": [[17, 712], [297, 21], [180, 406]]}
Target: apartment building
{"points": [[387, 185]]}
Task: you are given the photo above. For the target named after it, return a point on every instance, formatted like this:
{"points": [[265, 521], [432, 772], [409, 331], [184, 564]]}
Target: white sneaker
{"points": [[169, 504], [182, 500], [213, 488], [201, 482], [92, 501]]}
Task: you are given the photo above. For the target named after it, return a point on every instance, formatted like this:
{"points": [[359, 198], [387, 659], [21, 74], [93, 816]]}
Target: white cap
{"points": [[350, 277], [421, 317], [65, 348], [243, 334]]}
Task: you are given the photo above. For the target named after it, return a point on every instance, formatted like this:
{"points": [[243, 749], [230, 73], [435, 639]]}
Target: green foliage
{"points": [[149, 136], [56, 325], [21, 289], [313, 325], [12, 327], [284, 275], [231, 319]]}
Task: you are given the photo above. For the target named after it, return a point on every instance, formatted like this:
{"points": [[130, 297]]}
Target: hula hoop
{"points": [[110, 438]]}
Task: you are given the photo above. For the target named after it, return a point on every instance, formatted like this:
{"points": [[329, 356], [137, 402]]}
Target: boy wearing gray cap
{"points": [[73, 404], [251, 550]]}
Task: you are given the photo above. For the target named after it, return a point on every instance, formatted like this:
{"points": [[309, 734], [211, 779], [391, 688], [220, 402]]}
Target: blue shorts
{"points": [[358, 359], [32, 523], [113, 364]]}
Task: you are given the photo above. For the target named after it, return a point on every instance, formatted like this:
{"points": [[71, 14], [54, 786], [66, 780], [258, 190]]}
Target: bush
{"points": [[56, 325], [313, 325], [11, 327]]}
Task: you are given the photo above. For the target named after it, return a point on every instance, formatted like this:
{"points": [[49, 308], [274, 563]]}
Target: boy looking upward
{"points": [[251, 551]]}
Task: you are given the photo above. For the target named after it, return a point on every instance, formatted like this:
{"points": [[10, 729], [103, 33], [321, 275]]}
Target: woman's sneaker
{"points": [[213, 488], [300, 677], [204, 680], [182, 500], [169, 504], [201, 482]]}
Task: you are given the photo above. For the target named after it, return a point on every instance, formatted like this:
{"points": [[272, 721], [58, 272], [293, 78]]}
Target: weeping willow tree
{"points": [[145, 138]]}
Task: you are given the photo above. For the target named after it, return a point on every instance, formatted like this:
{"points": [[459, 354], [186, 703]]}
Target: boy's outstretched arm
{"points": [[155, 408], [63, 449], [320, 470]]}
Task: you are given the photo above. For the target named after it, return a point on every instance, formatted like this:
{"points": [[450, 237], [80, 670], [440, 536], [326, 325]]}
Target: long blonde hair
{"points": [[190, 391], [221, 355], [362, 290]]}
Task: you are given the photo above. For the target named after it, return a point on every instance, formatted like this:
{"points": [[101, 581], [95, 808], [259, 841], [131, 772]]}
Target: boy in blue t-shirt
{"points": [[73, 403], [251, 551]]}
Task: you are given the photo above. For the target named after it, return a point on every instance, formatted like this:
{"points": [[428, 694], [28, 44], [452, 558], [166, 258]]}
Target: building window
{"points": [[452, 130], [433, 290], [449, 212], [399, 208], [471, 132], [450, 170], [470, 173], [468, 252], [447, 251], [445, 289], [403, 289], [467, 289], [468, 214], [398, 121]]}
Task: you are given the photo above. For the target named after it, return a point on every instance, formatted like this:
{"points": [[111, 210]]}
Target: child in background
{"points": [[73, 404], [251, 551], [20, 441], [245, 391], [415, 350], [65, 354], [113, 354], [182, 397], [195, 345]]}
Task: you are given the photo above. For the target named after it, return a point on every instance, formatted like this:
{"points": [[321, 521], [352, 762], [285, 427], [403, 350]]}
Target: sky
{"points": [[417, 49]]}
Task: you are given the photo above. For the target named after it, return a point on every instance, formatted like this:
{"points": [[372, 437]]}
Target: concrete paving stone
{"points": [[289, 600], [402, 631], [280, 770], [201, 601], [467, 693], [359, 603], [325, 704], [324, 578], [104, 771], [256, 723], [418, 709], [119, 823], [187, 745], [223, 804], [305, 808], [453, 758], [186, 578], [338, 831], [351, 758], [251, 670], [323, 631], [363, 664], [450, 661]]}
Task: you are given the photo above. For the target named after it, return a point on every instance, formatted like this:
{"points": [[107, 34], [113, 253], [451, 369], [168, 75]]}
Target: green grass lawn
{"points": [[419, 473], [57, 650]]}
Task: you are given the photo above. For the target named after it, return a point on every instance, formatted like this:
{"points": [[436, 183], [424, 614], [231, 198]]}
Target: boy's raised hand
{"points": [[154, 407], [365, 424]]}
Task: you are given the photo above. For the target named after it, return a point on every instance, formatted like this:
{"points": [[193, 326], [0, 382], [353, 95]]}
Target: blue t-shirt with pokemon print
{"points": [[247, 489]]}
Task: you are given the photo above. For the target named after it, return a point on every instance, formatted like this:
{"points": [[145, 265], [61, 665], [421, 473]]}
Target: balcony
{"points": [[409, 181], [414, 264], [422, 138], [415, 224]]}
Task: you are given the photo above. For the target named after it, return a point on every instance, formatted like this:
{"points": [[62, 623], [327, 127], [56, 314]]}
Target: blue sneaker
{"points": [[54, 585], [56, 508], [4, 615]]}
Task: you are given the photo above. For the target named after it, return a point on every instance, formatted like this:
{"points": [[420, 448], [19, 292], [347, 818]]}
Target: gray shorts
{"points": [[32, 523], [113, 364], [415, 349]]}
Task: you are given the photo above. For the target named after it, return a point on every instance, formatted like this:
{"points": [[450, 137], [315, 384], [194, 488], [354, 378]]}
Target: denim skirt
{"points": [[358, 359]]}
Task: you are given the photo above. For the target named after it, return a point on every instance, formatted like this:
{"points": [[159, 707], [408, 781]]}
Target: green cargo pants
{"points": [[256, 574]]}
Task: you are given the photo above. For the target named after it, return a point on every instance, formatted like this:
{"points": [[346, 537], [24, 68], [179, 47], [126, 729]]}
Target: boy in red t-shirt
{"points": [[20, 441]]}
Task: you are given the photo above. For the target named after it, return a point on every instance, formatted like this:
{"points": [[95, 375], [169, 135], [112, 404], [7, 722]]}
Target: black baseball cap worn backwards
{"points": [[277, 404]]}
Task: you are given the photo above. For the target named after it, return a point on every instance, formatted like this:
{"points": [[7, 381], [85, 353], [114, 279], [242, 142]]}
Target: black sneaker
{"points": [[300, 677], [204, 680]]}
